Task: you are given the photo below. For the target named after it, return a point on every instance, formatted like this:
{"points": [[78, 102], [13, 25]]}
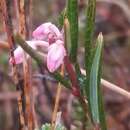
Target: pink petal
{"points": [[19, 53], [54, 29], [40, 32], [55, 56], [47, 32], [18, 56], [38, 43]]}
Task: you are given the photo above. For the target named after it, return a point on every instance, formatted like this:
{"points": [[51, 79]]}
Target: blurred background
{"points": [[113, 20]]}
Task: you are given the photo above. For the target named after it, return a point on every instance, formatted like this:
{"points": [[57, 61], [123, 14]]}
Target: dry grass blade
{"points": [[54, 115], [113, 87]]}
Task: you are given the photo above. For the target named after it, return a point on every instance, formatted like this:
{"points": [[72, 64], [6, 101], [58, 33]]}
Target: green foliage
{"points": [[93, 68], [61, 18], [89, 30], [48, 127], [95, 99], [72, 15]]}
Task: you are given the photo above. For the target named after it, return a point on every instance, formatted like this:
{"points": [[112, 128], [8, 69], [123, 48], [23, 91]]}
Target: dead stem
{"points": [[28, 17], [112, 86], [9, 95], [84, 105], [5, 9], [4, 45], [29, 119], [56, 106], [22, 28], [28, 96]]}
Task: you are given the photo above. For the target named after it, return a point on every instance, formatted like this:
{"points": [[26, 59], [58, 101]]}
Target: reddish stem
{"points": [[75, 85], [73, 77]]}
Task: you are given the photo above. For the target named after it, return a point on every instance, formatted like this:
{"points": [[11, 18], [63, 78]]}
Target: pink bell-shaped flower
{"points": [[47, 32], [18, 56], [19, 52], [56, 54]]}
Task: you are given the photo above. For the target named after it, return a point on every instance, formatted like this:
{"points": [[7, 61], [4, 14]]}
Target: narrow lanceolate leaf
{"points": [[95, 100], [72, 14], [89, 31], [90, 20]]}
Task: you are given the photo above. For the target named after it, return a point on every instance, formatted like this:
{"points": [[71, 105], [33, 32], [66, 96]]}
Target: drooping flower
{"points": [[48, 40], [19, 52], [18, 56], [56, 54], [47, 32]]}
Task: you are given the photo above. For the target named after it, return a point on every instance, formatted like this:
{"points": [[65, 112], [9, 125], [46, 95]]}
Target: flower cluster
{"points": [[49, 37]]}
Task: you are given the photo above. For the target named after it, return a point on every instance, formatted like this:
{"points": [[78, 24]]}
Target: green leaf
{"points": [[72, 14], [61, 79], [61, 18], [89, 31], [47, 126], [95, 99]]}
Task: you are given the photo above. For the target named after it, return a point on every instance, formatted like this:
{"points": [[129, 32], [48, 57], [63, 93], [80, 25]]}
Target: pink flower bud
{"points": [[47, 32], [55, 57]]}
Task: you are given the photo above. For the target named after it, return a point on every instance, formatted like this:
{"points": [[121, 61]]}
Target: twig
{"points": [[9, 95], [23, 13], [113, 87], [57, 102], [22, 28], [19, 40], [29, 102], [4, 45], [44, 76], [28, 17], [6, 10]]}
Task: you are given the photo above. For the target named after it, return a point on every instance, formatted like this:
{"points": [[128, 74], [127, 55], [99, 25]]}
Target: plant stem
{"points": [[57, 102], [19, 40], [6, 10], [28, 95], [28, 17]]}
